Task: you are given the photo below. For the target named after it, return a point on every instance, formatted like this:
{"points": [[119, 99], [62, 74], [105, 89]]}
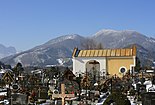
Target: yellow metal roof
{"points": [[123, 52], [96, 53], [105, 52], [92, 53], [100, 53], [118, 52], [108, 52]]}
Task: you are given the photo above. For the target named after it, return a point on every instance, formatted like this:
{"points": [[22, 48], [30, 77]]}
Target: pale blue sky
{"points": [[28, 23]]}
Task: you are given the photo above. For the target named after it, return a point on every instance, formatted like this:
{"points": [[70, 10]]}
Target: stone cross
{"points": [[39, 92], [63, 95], [21, 76]]}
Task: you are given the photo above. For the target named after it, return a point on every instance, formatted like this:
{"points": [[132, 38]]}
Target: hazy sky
{"points": [[28, 23]]}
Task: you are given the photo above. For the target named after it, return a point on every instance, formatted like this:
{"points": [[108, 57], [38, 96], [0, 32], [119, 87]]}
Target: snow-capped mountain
{"points": [[58, 51], [119, 39], [6, 51]]}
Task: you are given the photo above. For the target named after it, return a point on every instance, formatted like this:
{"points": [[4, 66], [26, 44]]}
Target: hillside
{"points": [[58, 51]]}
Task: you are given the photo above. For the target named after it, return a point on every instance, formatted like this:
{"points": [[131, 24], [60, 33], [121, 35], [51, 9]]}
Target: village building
{"points": [[99, 63]]}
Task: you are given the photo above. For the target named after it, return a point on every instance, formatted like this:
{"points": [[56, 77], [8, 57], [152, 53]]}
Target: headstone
{"points": [[43, 92], [142, 80], [15, 87], [19, 99], [138, 87], [142, 89], [7, 78], [153, 80], [148, 98]]}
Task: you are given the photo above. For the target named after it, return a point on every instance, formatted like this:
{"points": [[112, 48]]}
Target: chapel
{"points": [[99, 63]]}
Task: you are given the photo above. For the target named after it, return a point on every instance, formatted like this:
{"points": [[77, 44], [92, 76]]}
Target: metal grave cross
{"points": [[63, 95], [7, 78]]}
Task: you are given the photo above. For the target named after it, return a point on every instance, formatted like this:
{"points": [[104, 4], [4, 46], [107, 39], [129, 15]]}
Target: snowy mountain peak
{"points": [[63, 38], [105, 31], [72, 36], [113, 32]]}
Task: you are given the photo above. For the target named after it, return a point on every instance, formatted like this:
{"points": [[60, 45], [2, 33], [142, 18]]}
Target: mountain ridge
{"points": [[6, 51], [58, 50]]}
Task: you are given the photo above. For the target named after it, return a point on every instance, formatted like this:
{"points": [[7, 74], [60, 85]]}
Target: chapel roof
{"points": [[105, 52]]}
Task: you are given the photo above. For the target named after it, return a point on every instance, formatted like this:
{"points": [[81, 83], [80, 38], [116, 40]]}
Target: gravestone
{"points": [[153, 80], [18, 99], [142, 89], [15, 87], [148, 98], [138, 87], [7, 78], [43, 92]]}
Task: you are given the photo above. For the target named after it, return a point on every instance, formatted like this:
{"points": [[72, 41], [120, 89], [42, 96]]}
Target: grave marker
{"points": [[63, 95], [43, 92], [7, 78], [148, 98]]}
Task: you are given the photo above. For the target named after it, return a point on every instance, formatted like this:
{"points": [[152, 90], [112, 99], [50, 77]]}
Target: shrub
{"points": [[118, 98]]}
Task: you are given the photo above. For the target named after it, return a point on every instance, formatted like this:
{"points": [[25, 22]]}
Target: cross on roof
{"points": [[63, 95]]}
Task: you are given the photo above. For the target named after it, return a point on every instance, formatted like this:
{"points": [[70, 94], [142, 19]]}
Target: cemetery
{"points": [[89, 84]]}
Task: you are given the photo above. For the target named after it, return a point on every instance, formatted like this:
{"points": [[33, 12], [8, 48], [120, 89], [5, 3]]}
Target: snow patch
{"points": [[18, 58], [113, 32], [60, 61], [151, 40], [63, 38]]}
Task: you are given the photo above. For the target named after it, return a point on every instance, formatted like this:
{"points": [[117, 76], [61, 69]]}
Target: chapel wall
{"points": [[114, 65], [79, 64]]}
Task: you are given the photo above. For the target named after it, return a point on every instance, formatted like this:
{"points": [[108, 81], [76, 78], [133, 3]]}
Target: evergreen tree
{"points": [[18, 69], [138, 65]]}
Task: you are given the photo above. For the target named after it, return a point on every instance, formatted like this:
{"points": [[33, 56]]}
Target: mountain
{"points": [[6, 51], [120, 39], [126, 38], [54, 52], [58, 51]]}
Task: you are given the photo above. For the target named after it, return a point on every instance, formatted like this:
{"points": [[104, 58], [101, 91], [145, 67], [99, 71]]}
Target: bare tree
{"points": [[91, 44]]}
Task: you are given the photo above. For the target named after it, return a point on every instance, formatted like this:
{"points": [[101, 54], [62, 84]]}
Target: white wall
{"points": [[79, 64]]}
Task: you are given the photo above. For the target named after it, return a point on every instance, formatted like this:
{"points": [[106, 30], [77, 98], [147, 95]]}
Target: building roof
{"points": [[105, 52]]}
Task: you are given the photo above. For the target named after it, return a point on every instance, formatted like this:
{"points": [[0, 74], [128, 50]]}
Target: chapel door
{"points": [[93, 70]]}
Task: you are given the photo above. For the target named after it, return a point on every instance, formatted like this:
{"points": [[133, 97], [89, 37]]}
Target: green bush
{"points": [[118, 98]]}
